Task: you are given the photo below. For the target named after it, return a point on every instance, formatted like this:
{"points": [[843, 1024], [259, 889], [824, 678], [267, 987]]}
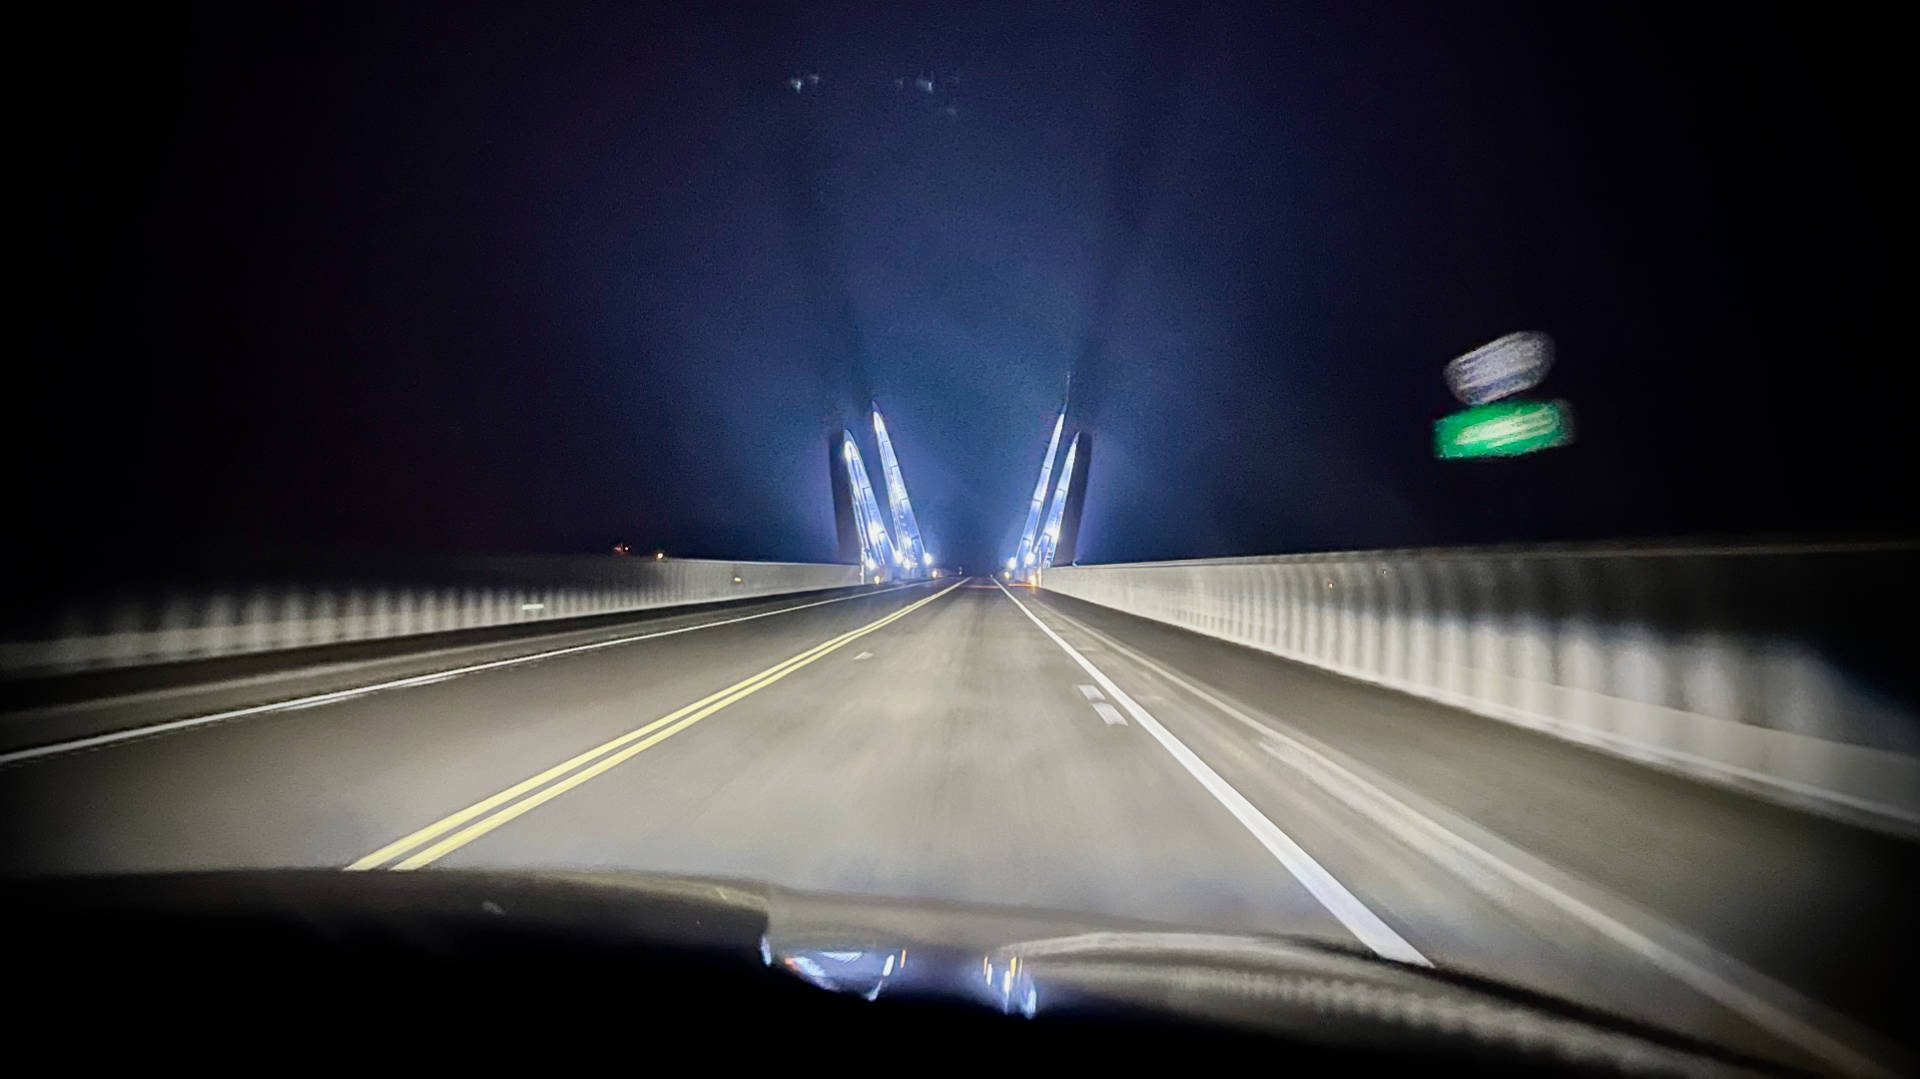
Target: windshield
{"points": [[1374, 473]]}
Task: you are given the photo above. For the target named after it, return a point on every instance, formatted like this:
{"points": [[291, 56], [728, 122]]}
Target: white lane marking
{"points": [[1111, 714], [314, 701], [1359, 919], [1733, 986], [863, 655], [1091, 693]]}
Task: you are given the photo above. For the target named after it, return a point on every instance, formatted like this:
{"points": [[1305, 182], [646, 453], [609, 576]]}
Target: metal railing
{"points": [[1761, 667], [170, 623]]}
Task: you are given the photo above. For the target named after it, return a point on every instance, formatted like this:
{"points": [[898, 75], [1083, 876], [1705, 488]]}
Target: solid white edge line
{"points": [[111, 737], [1426, 833], [1358, 918]]}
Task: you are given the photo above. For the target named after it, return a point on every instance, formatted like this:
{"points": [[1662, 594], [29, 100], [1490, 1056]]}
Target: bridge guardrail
{"points": [[1765, 668], [120, 630]]}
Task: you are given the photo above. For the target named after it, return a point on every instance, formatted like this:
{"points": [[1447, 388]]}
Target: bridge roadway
{"points": [[962, 741]]}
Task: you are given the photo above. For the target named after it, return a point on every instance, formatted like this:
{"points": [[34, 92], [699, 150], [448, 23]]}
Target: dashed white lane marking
{"points": [[863, 655], [1359, 919], [1496, 868], [1111, 714], [1091, 693]]}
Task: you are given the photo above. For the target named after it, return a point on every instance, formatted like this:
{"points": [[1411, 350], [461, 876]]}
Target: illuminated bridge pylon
{"points": [[877, 557], [1050, 535], [1023, 557], [910, 553]]}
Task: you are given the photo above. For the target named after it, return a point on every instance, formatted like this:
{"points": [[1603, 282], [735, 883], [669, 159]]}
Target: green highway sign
{"points": [[1503, 429]]}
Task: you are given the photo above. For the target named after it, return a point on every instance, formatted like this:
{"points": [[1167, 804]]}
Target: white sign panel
{"points": [[1501, 368]]}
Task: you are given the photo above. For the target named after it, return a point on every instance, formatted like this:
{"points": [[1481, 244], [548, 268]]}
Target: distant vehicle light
{"points": [[658, 555]]}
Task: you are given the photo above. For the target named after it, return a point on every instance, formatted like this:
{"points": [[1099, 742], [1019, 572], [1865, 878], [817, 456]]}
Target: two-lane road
{"points": [[957, 741]]}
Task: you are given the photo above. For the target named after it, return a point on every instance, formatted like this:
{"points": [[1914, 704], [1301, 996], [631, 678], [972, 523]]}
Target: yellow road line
{"points": [[673, 722], [431, 831]]}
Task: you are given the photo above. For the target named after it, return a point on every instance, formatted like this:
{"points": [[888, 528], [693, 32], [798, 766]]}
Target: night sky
{"points": [[537, 280]]}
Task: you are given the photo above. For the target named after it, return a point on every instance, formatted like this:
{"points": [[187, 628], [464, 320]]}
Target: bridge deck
{"points": [[939, 741]]}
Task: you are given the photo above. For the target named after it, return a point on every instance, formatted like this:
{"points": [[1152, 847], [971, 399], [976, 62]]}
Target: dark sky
{"points": [[542, 277]]}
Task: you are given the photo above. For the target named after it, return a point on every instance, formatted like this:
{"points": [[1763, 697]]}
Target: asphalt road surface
{"points": [[964, 742]]}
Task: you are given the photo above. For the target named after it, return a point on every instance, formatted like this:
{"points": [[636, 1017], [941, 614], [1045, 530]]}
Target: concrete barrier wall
{"points": [[165, 624], [1772, 669]]}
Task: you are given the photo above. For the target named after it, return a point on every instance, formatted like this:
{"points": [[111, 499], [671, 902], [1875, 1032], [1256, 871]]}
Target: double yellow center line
{"points": [[456, 830]]}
